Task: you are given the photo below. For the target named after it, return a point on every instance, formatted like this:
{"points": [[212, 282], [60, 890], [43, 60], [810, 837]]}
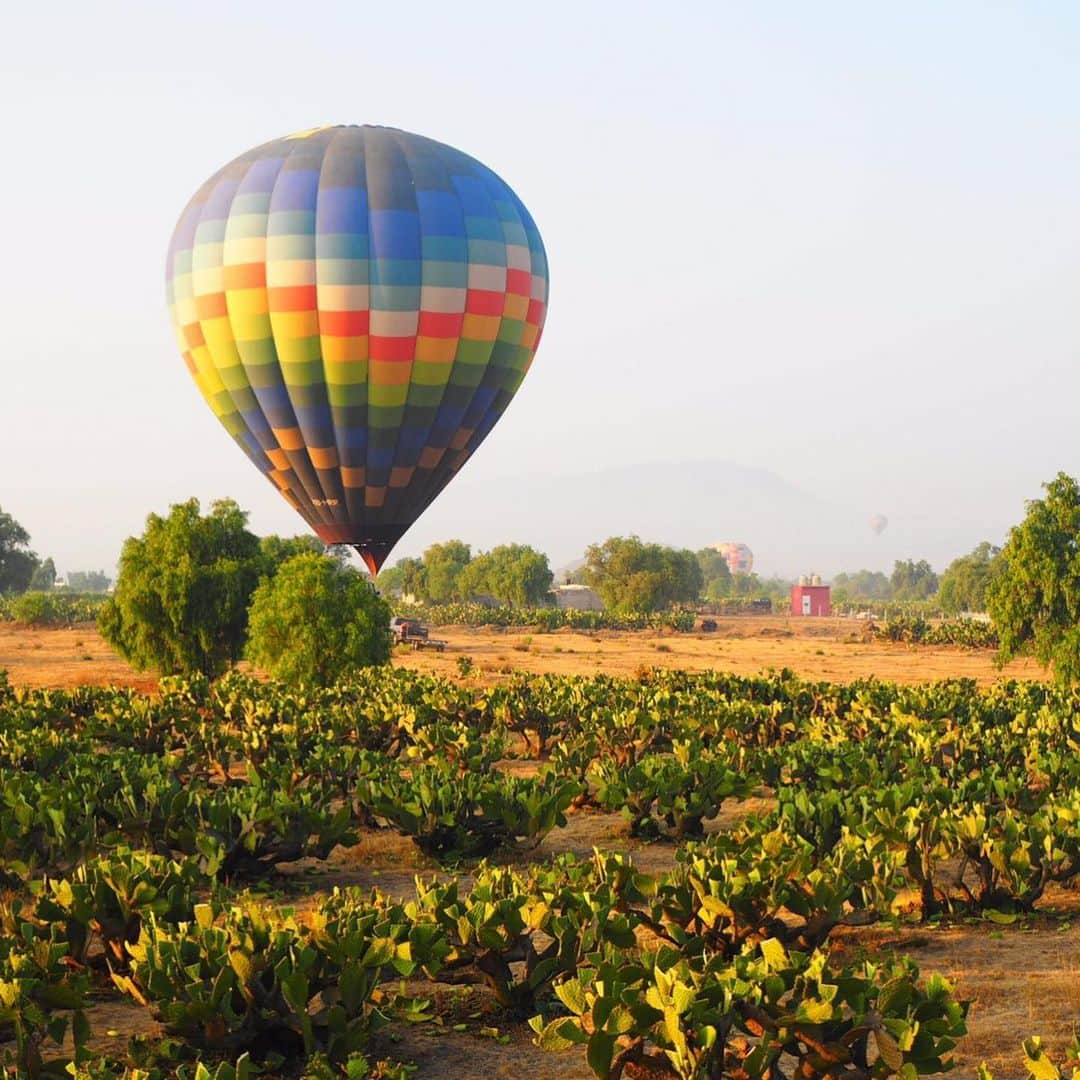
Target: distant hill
{"points": [[689, 504]]}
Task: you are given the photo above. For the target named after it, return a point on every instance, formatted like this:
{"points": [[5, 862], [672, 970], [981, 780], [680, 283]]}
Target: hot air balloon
{"points": [[878, 523], [738, 556], [358, 306]]}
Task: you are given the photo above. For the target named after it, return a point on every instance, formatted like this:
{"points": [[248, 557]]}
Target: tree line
{"points": [[961, 588], [630, 575], [196, 593], [23, 570]]}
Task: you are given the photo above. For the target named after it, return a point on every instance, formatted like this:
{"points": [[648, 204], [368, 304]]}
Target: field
{"points": [[833, 649], [1020, 971]]}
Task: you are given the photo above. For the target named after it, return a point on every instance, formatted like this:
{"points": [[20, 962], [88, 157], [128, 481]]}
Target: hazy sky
{"points": [[836, 241]]}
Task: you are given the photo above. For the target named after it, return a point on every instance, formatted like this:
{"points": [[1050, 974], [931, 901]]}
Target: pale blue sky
{"points": [[837, 241]]}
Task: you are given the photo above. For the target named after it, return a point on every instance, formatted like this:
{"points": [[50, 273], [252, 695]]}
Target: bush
{"points": [[36, 609], [183, 591], [315, 621], [51, 608]]}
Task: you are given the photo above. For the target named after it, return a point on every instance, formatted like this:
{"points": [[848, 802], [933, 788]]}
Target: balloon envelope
{"points": [[738, 556], [878, 523], [358, 306]]}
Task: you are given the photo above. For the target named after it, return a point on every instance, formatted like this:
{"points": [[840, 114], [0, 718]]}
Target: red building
{"points": [[810, 597]]}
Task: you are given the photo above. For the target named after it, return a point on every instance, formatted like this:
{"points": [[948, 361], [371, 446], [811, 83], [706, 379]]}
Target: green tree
{"points": [[315, 621], [407, 577], [276, 550], [391, 578], [1034, 595], [443, 564], [912, 580], [183, 590], [44, 576], [630, 575], [17, 561], [862, 585], [514, 574], [88, 581], [964, 584], [715, 573]]}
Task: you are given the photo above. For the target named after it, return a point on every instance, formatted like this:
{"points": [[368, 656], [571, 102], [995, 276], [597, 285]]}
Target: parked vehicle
{"points": [[413, 632]]}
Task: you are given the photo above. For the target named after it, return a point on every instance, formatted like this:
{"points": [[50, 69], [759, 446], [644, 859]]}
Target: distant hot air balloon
{"points": [[738, 556], [878, 523], [358, 306]]}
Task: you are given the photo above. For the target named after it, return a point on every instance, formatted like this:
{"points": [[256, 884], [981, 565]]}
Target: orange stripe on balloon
{"points": [[292, 298], [481, 327], [388, 372], [211, 306], [516, 306], [400, 476], [344, 323], [345, 349], [193, 335], [461, 438], [430, 456], [245, 276], [323, 457], [278, 458], [374, 496], [289, 438], [353, 477], [433, 350]]}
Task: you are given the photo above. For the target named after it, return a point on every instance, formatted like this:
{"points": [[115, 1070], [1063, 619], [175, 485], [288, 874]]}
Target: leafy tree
{"points": [[407, 577], [576, 575], [964, 584], [443, 564], [276, 550], [279, 549], [315, 621], [391, 578], [514, 574], [912, 580], [863, 585], [88, 581], [716, 574], [1034, 595], [183, 590], [631, 575], [17, 561], [44, 576]]}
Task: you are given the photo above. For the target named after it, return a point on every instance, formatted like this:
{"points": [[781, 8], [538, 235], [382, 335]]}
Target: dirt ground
{"points": [[1022, 979], [833, 649]]}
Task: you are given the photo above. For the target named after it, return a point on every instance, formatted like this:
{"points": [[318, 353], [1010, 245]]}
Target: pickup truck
{"points": [[413, 632]]}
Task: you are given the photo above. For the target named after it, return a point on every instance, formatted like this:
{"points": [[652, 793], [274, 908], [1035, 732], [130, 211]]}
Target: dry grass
{"points": [[832, 649], [56, 658]]}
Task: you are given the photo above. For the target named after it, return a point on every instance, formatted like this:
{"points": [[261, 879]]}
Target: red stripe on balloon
{"points": [[484, 302], [519, 282], [440, 324], [392, 348]]}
